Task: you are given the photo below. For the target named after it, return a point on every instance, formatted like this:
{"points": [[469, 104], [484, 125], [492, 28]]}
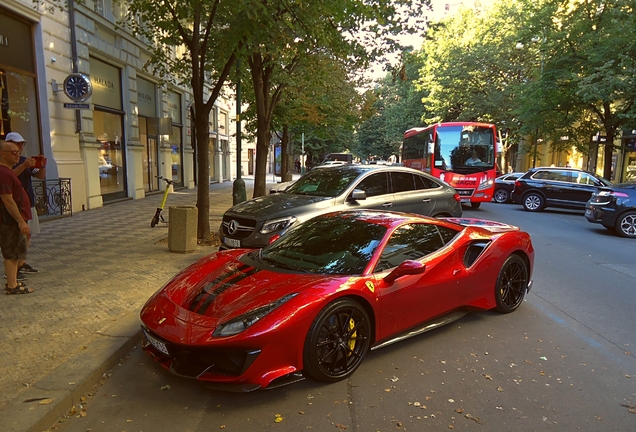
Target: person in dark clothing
{"points": [[15, 213], [26, 169]]}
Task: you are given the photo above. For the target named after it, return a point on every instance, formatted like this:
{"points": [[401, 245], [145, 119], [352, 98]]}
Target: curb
{"points": [[73, 379]]}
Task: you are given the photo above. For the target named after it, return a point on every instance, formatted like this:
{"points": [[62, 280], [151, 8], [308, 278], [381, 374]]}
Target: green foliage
{"points": [[392, 108], [537, 68], [349, 32]]}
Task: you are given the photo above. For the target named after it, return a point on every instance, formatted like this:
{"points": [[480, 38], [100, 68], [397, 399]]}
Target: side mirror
{"points": [[408, 267], [357, 195]]}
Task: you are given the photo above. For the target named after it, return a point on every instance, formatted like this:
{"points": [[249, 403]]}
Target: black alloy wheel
{"points": [[501, 196], [533, 202], [626, 225], [512, 284], [337, 341]]}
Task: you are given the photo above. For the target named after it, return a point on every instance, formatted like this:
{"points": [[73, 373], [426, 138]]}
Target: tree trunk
{"points": [[201, 126], [285, 166], [262, 151], [260, 81], [609, 150]]}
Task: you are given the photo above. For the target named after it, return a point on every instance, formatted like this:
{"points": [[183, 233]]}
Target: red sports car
{"points": [[317, 299]]}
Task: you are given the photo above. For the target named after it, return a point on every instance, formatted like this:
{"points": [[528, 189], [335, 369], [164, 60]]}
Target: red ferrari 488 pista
{"points": [[316, 300]]}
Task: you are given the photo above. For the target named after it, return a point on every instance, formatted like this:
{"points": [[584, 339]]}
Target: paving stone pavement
{"points": [[97, 268]]}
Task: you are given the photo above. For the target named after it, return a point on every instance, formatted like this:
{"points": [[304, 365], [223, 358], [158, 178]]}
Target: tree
{"points": [[346, 29], [395, 106], [322, 101], [194, 44], [474, 70], [590, 68]]}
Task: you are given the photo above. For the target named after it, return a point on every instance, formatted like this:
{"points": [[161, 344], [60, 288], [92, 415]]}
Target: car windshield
{"points": [[326, 245], [324, 182]]}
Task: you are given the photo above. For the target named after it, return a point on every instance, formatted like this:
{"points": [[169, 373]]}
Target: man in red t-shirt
{"points": [[15, 212]]}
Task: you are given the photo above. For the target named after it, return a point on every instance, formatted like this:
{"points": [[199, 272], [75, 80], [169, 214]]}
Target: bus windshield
{"points": [[464, 148]]}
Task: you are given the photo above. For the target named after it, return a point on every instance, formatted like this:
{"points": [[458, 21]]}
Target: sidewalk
{"points": [[97, 268]]}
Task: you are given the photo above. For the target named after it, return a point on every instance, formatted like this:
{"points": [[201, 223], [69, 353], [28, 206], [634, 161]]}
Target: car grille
{"points": [[192, 362], [465, 192], [241, 228]]}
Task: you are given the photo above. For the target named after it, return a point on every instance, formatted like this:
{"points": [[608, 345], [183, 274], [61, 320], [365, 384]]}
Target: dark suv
{"points": [[556, 187]]}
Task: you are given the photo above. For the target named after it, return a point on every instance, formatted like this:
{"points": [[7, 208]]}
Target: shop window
{"points": [[108, 131], [175, 154], [18, 109]]}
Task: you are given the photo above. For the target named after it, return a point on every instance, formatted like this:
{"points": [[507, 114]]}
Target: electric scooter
{"points": [[159, 214]]}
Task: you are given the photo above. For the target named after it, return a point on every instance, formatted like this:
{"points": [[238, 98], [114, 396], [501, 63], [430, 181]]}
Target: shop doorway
{"points": [[150, 158]]}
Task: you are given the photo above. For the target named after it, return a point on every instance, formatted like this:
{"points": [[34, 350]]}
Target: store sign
{"points": [[77, 105], [173, 106], [106, 81], [17, 51], [146, 98]]}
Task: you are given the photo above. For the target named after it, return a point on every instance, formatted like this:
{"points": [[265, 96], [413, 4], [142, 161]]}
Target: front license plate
{"points": [[157, 344], [232, 243], [465, 200]]}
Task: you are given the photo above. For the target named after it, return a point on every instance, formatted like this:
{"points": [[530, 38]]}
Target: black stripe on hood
{"points": [[212, 289]]}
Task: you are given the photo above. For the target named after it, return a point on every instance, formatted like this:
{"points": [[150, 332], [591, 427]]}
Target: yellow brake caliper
{"points": [[352, 339]]}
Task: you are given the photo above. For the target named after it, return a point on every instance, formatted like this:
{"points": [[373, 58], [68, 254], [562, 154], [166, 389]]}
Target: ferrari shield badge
{"points": [[370, 286]]}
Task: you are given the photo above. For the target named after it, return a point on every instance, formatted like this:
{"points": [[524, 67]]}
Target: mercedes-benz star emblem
{"points": [[232, 227]]}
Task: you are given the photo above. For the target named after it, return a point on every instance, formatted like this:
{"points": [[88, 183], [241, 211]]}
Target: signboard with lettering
{"points": [[106, 81], [173, 106], [146, 98], [77, 105]]}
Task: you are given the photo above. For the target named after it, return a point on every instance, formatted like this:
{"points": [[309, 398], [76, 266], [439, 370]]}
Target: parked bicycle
{"points": [[159, 214]]}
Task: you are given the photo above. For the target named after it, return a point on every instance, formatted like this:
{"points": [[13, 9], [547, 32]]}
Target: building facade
{"points": [[73, 85]]}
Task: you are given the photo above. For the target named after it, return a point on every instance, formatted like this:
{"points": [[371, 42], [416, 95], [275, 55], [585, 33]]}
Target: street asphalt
{"points": [[97, 269]]}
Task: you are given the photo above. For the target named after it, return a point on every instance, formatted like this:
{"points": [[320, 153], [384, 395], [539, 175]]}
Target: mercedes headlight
{"points": [[275, 225], [241, 323]]}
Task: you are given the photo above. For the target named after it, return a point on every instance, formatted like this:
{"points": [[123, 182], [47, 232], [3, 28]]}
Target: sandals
{"points": [[21, 288]]}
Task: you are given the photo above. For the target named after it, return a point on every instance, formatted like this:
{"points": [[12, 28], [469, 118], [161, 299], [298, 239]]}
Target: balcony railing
{"points": [[53, 198]]}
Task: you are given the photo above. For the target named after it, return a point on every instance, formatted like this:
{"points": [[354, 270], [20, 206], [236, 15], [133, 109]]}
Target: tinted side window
{"points": [[374, 185], [410, 242], [583, 178], [541, 175], [447, 233], [402, 182], [422, 182], [563, 176]]}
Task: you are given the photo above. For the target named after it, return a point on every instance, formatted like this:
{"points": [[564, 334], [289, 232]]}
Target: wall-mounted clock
{"points": [[78, 87]]}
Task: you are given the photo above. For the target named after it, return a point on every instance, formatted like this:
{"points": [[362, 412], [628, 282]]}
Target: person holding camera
{"points": [[26, 169]]}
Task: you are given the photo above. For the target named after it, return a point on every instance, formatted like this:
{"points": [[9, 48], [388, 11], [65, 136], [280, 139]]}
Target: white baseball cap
{"points": [[14, 137]]}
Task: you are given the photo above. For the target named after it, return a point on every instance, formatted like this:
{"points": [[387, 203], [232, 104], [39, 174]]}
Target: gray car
{"points": [[255, 223]]}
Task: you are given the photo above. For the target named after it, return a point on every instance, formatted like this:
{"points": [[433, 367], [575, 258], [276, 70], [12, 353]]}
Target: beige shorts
{"points": [[34, 223]]}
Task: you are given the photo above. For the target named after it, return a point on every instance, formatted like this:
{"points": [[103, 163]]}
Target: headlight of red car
{"points": [[241, 323]]}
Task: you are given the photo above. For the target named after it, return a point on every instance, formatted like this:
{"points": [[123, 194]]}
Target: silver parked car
{"points": [[255, 223]]}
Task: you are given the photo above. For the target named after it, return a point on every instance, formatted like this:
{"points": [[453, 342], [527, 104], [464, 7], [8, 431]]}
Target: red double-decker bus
{"points": [[463, 154]]}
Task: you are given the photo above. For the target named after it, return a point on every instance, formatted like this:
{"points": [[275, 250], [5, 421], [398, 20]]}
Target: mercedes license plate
{"points": [[157, 344], [232, 243]]}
